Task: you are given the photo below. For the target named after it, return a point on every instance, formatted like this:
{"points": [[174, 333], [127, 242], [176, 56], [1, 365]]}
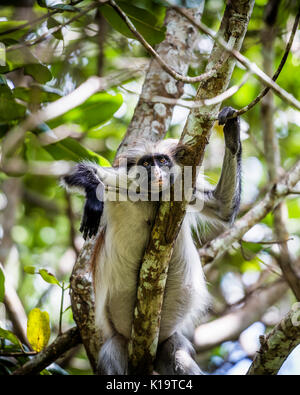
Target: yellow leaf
{"points": [[38, 329]]}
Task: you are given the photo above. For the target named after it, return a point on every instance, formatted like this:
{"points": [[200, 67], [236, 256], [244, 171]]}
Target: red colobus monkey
{"points": [[123, 229]]}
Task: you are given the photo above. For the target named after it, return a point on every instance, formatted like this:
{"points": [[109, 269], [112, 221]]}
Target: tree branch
{"points": [[153, 272], [250, 66], [278, 71], [159, 59], [271, 146], [232, 324], [215, 248], [277, 345], [150, 121], [61, 344]]}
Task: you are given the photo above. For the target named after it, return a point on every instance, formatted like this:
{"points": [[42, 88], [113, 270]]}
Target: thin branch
{"points": [[150, 125], [271, 146], [268, 242], [277, 345], [51, 31], [50, 354], [278, 71], [232, 324], [169, 217], [64, 104], [277, 193], [204, 102], [159, 59], [36, 20], [252, 67]]}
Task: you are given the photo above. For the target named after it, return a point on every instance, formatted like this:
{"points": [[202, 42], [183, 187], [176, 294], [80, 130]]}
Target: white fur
{"points": [[127, 233]]}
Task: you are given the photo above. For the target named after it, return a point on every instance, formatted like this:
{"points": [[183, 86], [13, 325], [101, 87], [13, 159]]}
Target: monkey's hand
{"points": [[92, 213], [85, 178], [231, 129]]}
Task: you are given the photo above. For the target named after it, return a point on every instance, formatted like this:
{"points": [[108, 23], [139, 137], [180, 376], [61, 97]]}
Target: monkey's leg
{"points": [[174, 356], [113, 356]]}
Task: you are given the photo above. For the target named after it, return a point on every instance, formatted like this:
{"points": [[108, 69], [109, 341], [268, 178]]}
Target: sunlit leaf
{"points": [[8, 335], [38, 329], [29, 269], [70, 149], [6, 26], [97, 109], [48, 277]]}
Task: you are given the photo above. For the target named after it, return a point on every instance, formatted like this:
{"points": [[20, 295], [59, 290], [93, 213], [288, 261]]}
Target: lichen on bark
{"points": [[170, 214]]}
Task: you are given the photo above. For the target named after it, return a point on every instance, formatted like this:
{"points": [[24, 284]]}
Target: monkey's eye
{"points": [[146, 164], [163, 160]]}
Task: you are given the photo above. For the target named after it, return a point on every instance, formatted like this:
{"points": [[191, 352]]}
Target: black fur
{"points": [[231, 129], [233, 143], [84, 176]]}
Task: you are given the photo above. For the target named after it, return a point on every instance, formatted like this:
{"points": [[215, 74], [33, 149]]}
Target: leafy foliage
{"points": [[45, 62]]}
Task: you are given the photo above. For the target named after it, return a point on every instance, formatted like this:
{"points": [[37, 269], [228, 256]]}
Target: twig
{"points": [[265, 79], [61, 344], [272, 149], [277, 193], [277, 345], [278, 71], [51, 31], [204, 102], [268, 242], [36, 20], [17, 353], [152, 51], [230, 326]]}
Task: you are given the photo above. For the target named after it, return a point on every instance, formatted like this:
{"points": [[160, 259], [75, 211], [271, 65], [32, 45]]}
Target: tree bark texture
{"points": [[151, 122], [154, 269]]}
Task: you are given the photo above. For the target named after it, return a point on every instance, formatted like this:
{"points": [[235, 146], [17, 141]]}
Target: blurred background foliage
{"points": [[40, 221]]}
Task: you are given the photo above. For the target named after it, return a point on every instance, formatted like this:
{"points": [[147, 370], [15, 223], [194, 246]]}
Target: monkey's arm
{"points": [[85, 179], [223, 202]]}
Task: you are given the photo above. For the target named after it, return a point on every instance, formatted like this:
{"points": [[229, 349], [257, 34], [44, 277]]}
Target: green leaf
{"points": [[144, 21], [2, 286], [9, 109], [250, 250], [39, 93], [39, 72], [22, 57], [8, 25], [8, 335], [48, 277], [29, 269], [38, 329], [53, 23], [63, 7], [96, 110], [70, 149]]}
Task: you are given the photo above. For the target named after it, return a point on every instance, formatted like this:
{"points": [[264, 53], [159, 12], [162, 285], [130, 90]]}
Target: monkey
{"points": [[123, 228]]}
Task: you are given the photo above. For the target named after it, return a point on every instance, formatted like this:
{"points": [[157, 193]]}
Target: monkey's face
{"points": [[154, 172]]}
